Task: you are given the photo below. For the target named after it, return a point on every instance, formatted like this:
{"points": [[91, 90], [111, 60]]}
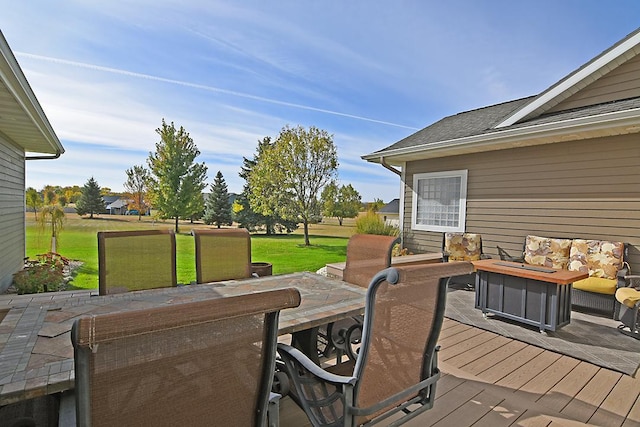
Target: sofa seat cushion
{"points": [[547, 252], [598, 285], [628, 296], [463, 246], [598, 258]]}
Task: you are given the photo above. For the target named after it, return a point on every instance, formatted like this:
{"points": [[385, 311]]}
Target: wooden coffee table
{"points": [[533, 295]]}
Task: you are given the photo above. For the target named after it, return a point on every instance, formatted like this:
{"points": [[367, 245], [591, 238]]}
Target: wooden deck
{"points": [[492, 381]]}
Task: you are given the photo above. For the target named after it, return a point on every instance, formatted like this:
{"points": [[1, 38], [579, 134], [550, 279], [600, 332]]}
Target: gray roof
{"points": [[393, 207], [482, 121]]}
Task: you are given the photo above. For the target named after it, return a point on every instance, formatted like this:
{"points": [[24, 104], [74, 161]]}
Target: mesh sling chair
{"points": [[396, 366], [136, 260], [367, 254], [201, 363], [222, 254]]}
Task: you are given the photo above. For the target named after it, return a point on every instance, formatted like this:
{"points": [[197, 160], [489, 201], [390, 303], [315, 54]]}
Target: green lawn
{"points": [[287, 253]]}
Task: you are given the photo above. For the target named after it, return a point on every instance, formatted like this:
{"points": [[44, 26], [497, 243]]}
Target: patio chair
{"points": [[462, 247], [136, 260], [367, 254], [199, 363], [222, 254], [629, 299], [396, 366]]}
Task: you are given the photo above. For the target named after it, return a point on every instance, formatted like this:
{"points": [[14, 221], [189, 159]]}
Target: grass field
{"points": [[287, 253]]}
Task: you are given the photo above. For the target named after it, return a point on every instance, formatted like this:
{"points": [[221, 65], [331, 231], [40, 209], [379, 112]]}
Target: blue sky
{"points": [[232, 72]]}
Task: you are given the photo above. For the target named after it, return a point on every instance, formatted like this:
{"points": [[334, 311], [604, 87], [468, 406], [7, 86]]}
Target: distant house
{"points": [[390, 213], [25, 134], [563, 163], [115, 205]]}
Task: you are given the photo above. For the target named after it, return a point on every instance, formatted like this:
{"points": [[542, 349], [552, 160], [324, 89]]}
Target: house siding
{"points": [[12, 212], [586, 189], [621, 83]]}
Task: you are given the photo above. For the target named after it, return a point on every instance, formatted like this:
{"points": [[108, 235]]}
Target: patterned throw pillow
{"points": [[547, 252], [599, 258], [463, 246]]}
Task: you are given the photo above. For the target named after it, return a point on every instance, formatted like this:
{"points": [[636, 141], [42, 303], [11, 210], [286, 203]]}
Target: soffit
{"points": [[22, 120]]}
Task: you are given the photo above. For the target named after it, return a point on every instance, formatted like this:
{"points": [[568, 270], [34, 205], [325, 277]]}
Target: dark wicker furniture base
{"points": [[592, 301]]}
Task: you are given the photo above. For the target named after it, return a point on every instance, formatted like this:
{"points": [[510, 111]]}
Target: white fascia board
{"points": [[572, 80], [554, 129], [16, 82]]}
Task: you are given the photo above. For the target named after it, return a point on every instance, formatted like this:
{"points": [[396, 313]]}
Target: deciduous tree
{"points": [[176, 182], [218, 208], [33, 199], [91, 201], [289, 175], [341, 202], [136, 188]]}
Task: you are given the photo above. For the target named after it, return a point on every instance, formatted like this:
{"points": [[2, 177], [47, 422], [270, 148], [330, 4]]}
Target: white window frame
{"points": [[462, 210]]}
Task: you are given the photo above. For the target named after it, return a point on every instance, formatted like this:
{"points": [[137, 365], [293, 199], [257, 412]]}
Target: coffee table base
{"points": [[533, 302]]}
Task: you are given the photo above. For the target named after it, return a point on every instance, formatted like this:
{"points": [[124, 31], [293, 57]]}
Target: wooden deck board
{"points": [[495, 381], [617, 404]]}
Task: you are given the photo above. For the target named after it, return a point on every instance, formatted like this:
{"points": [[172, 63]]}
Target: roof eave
{"points": [[616, 123], [16, 82]]}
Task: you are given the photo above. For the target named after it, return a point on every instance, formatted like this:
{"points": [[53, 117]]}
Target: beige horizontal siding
{"points": [[586, 189], [621, 83]]}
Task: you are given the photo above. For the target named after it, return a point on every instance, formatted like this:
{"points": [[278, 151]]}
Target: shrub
{"points": [[371, 223], [46, 274]]}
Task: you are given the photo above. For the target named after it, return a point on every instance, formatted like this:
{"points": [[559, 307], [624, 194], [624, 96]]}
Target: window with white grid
{"points": [[439, 201]]}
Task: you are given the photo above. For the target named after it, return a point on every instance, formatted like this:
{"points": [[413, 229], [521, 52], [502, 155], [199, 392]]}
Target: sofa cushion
{"points": [[547, 252], [599, 258], [463, 246], [597, 284]]}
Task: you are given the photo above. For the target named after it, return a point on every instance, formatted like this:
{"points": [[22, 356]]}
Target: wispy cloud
{"points": [[207, 88]]}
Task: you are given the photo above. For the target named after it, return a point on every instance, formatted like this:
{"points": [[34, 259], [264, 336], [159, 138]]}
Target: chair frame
{"points": [[629, 316], [190, 313], [103, 286], [293, 359], [200, 233]]}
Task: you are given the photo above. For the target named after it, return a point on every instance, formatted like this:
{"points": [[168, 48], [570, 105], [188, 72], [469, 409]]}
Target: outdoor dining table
{"points": [[36, 354]]}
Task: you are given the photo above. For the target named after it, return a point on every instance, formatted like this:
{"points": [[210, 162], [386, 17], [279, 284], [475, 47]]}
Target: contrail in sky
{"points": [[203, 87]]}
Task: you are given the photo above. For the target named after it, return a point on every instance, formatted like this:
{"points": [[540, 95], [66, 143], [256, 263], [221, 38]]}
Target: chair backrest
{"points": [[198, 363], [403, 317], [222, 254], [462, 246], [367, 254], [136, 260]]}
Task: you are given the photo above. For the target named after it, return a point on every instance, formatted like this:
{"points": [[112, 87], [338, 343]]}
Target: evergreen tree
{"points": [[218, 208], [90, 201], [245, 215]]}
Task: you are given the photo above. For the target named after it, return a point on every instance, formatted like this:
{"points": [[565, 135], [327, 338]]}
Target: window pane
{"points": [[438, 201]]}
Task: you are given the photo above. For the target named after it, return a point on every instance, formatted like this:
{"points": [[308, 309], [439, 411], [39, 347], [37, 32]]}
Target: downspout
{"points": [[388, 166]]}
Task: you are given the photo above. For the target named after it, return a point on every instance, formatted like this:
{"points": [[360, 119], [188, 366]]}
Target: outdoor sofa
{"points": [[603, 260]]}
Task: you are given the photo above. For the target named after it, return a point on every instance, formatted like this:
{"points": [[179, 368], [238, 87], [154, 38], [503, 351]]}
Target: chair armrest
{"points": [[632, 280], [621, 276], [314, 369]]}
